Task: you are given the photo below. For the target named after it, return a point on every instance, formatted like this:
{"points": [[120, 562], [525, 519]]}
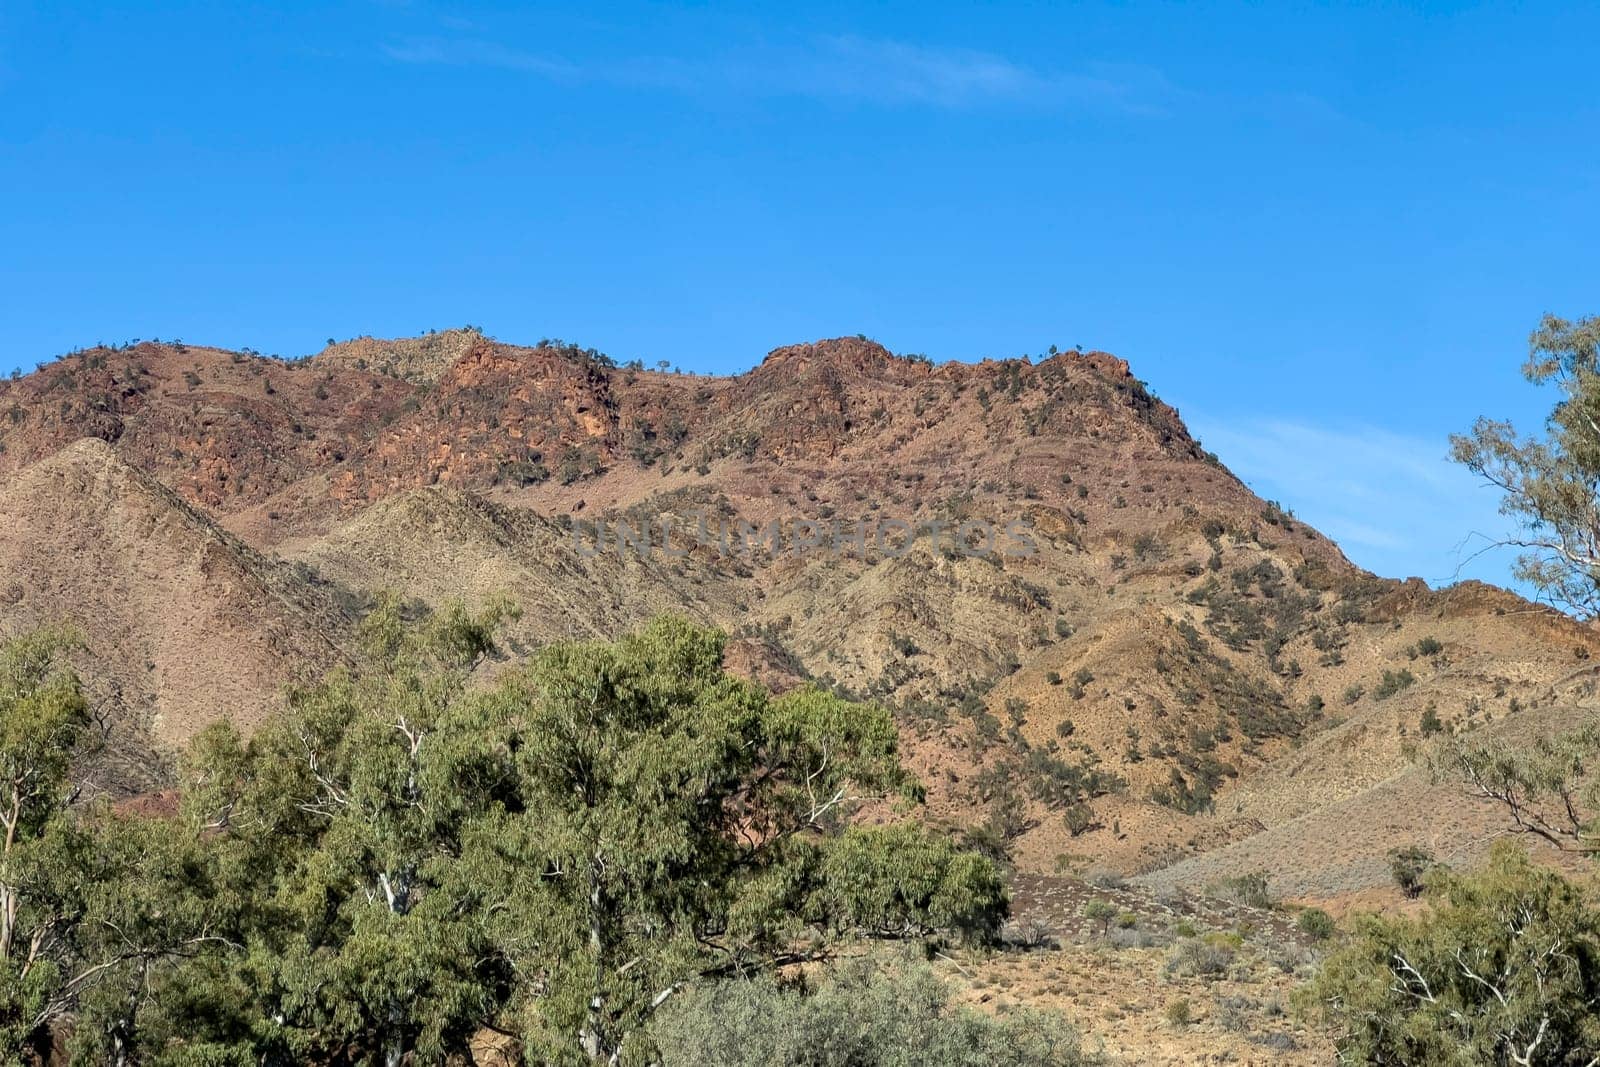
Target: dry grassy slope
{"points": [[1336, 853], [1185, 629], [441, 544], [183, 624], [1497, 654]]}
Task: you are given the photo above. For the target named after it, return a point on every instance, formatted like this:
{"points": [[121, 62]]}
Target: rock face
{"points": [[215, 521]]}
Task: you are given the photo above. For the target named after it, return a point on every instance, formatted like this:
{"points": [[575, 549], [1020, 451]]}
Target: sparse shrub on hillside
{"points": [[1103, 878], [1277, 515], [1207, 956], [996, 836], [1409, 866], [1178, 1013], [1099, 913], [1058, 783], [986, 728], [578, 463], [1392, 683], [1353, 693], [1249, 889], [522, 472], [1430, 723], [1181, 794], [903, 645], [1428, 646], [1327, 639], [1349, 611], [1316, 924]]}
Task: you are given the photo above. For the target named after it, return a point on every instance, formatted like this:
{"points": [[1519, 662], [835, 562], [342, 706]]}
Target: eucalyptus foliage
{"points": [[1504, 968], [413, 853], [1551, 485]]}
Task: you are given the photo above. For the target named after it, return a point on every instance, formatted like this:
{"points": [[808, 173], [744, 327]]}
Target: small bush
{"points": [[1248, 889], [1393, 682], [860, 1016], [1179, 1013], [1316, 924], [1202, 957], [1410, 866], [1104, 879], [1430, 723], [1099, 913]]}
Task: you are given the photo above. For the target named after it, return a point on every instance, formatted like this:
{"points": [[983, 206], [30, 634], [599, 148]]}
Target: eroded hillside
{"points": [[1173, 669]]}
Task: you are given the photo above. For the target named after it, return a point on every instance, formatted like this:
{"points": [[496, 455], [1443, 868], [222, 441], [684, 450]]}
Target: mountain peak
{"points": [[842, 353]]}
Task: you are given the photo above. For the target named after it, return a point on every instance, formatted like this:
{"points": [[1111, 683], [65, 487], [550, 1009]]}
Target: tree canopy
{"points": [[1504, 968], [409, 855]]}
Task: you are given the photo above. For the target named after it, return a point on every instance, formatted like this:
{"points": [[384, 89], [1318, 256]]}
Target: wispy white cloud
{"points": [[439, 51], [1394, 502], [840, 68]]}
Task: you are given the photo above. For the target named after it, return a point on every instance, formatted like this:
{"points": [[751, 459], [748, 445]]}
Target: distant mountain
{"points": [[1220, 680]]}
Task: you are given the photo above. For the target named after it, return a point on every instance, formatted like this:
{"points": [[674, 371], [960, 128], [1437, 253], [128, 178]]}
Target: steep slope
{"points": [[440, 544], [182, 623]]}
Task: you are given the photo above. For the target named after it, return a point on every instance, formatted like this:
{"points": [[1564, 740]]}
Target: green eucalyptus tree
{"points": [[555, 854], [1551, 485], [43, 719], [1504, 969], [675, 823], [345, 819]]}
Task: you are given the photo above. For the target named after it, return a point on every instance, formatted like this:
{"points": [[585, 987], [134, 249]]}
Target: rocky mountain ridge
{"points": [[1177, 668]]}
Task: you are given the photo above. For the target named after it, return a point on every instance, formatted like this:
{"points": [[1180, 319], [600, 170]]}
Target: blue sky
{"points": [[1322, 232]]}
